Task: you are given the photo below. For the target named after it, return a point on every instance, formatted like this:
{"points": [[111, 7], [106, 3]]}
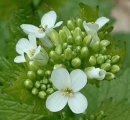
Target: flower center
{"points": [[68, 92], [31, 52], [42, 29]]}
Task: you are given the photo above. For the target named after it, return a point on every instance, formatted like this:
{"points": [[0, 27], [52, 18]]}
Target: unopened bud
{"points": [[103, 50], [76, 62], [78, 40], [42, 94], [49, 90], [108, 61], [106, 66], [58, 49], [68, 53], [92, 60], [45, 81], [53, 55], [70, 40], [43, 87], [96, 46], [33, 65], [87, 40], [64, 46], [115, 58], [109, 76], [37, 84], [79, 23], [100, 59], [31, 75], [114, 68], [40, 72], [104, 43], [62, 36], [71, 24], [58, 66], [28, 83], [66, 30], [47, 73], [84, 52], [77, 32], [34, 91]]}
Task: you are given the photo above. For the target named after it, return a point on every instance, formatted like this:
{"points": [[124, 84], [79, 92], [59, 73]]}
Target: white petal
{"points": [[78, 80], [94, 40], [28, 28], [101, 21], [60, 78], [19, 59], [95, 73], [23, 45], [78, 103], [56, 101], [32, 40], [58, 24], [48, 19]]}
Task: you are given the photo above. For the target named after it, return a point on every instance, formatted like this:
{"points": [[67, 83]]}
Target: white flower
{"points": [[92, 28], [30, 48], [47, 24], [68, 86], [95, 73]]}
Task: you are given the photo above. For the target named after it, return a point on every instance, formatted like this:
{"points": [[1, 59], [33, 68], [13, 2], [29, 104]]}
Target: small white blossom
{"points": [[31, 49], [47, 24], [95, 73], [92, 28], [68, 86]]}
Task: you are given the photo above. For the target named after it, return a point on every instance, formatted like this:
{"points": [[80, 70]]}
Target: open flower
{"points": [[30, 48], [95, 73], [68, 86], [47, 24], [92, 28]]}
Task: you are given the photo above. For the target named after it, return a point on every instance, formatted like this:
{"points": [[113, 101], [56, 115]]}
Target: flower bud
{"points": [[28, 83], [68, 53], [49, 91], [106, 66], [78, 48], [92, 60], [43, 87], [48, 85], [53, 55], [64, 46], [100, 59], [83, 34], [79, 23], [40, 72], [76, 62], [115, 58], [48, 73], [104, 43], [87, 40], [62, 36], [58, 66], [96, 46], [54, 37], [84, 52], [31, 75], [71, 24], [58, 49], [70, 40], [66, 30], [77, 32], [109, 76], [33, 66], [108, 61], [42, 94], [37, 84], [114, 69], [45, 81], [103, 50], [100, 115], [78, 40], [34, 91]]}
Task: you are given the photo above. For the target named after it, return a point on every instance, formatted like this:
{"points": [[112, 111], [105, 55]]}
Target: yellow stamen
{"points": [[32, 52], [68, 92]]}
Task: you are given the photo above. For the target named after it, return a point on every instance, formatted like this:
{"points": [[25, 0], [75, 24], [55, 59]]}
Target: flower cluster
{"points": [[61, 63]]}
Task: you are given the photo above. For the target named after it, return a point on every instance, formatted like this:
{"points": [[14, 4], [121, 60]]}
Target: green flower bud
{"points": [[28, 83], [77, 32], [109, 56], [49, 91], [40, 73], [91, 117], [37, 84], [45, 81], [48, 73], [31, 75], [100, 59], [108, 61], [78, 48], [78, 40], [58, 49], [76, 62], [70, 46], [109, 76], [66, 30], [83, 34], [114, 68], [42, 94], [100, 115], [70, 40], [48, 85], [71, 24], [104, 43], [68, 53], [84, 52], [53, 55], [62, 57], [87, 40], [96, 46], [58, 66], [79, 23], [43, 87], [106, 66], [115, 58], [34, 91], [33, 66], [62, 36], [54, 37], [103, 50], [92, 60], [64, 46]]}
